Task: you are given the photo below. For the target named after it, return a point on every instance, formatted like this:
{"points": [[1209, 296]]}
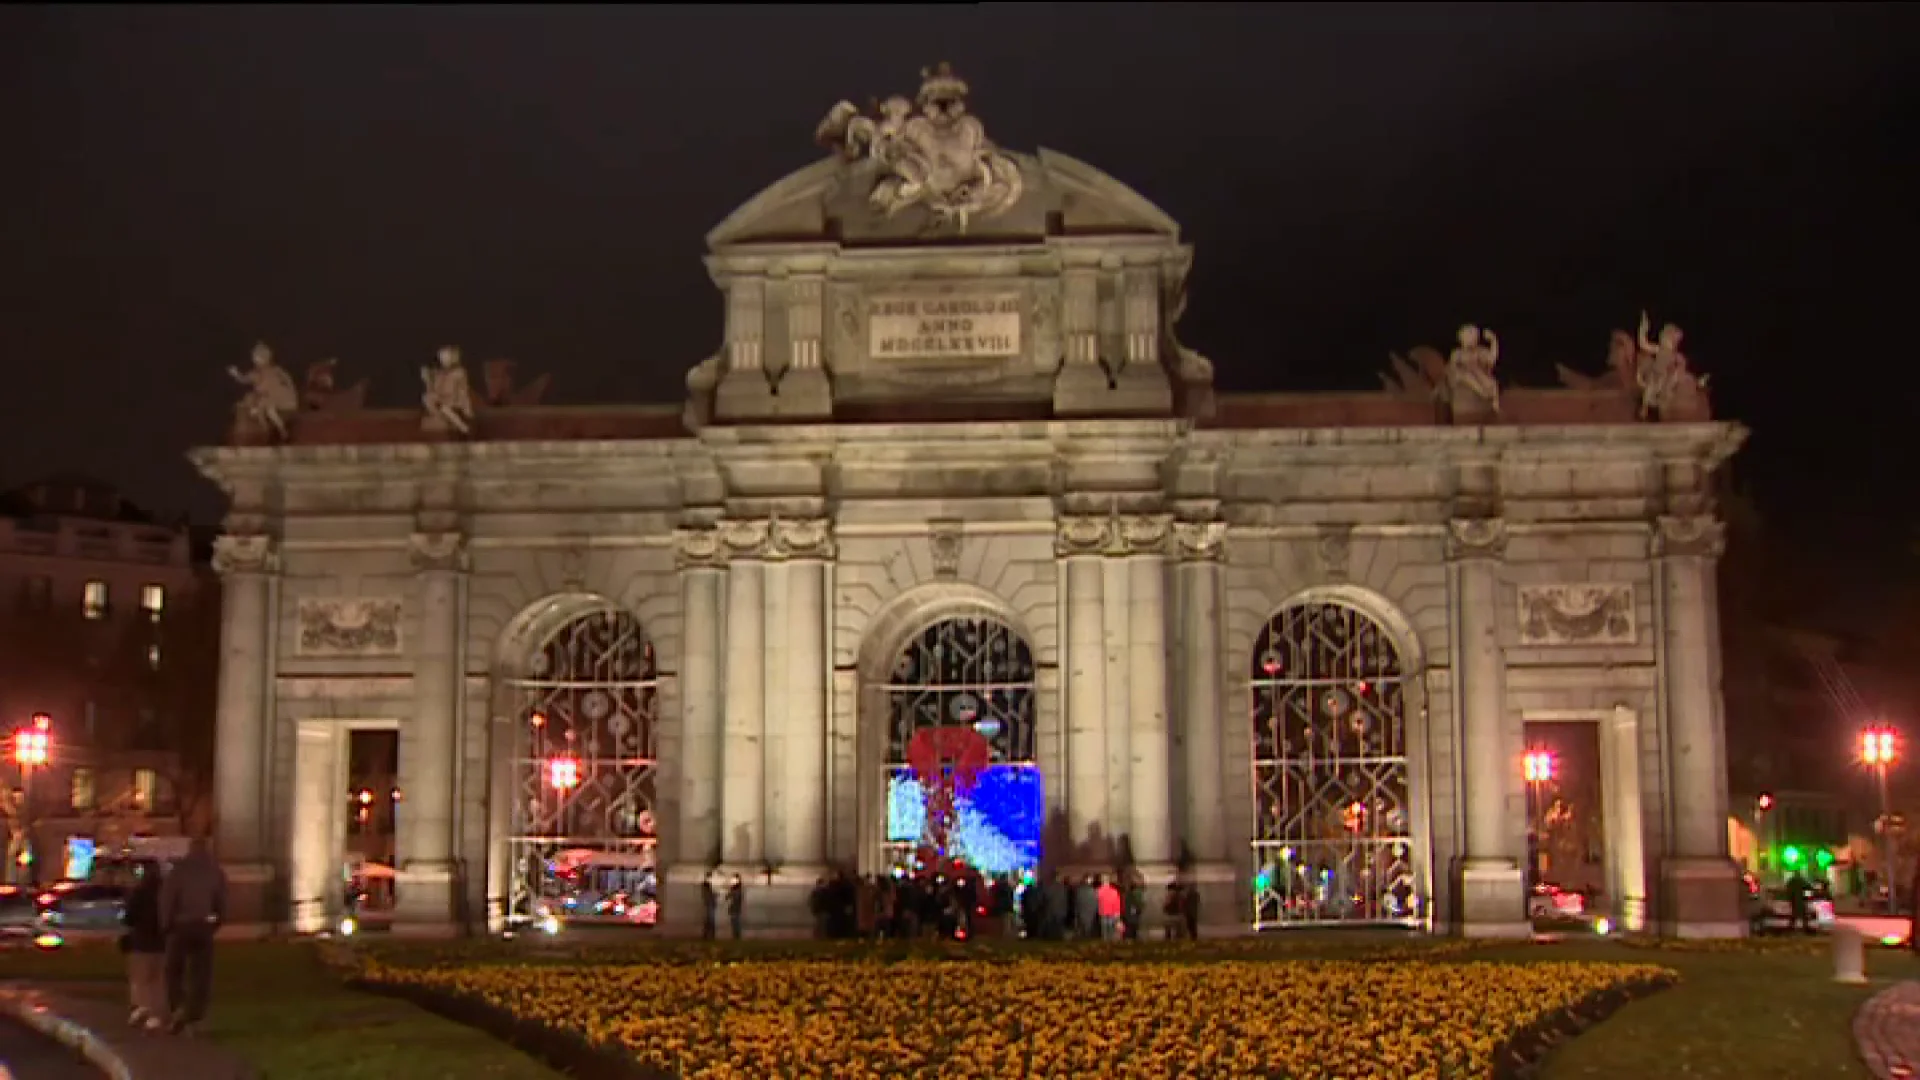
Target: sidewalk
{"points": [[1888, 1031], [98, 1030]]}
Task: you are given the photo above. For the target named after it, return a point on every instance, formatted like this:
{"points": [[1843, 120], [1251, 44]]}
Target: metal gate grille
{"points": [[962, 672], [1333, 836], [584, 832]]}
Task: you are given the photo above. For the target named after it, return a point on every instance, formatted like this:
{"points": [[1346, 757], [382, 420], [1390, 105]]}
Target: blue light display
{"points": [[999, 824]]}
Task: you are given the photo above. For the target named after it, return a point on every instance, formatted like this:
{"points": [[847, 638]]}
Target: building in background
{"points": [[109, 626]]}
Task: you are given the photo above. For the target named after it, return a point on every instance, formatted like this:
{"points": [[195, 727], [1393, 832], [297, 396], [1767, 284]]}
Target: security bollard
{"points": [[1849, 955]]}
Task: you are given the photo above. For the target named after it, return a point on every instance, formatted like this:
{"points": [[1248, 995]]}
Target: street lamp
{"points": [[1877, 751], [1539, 765], [32, 748]]}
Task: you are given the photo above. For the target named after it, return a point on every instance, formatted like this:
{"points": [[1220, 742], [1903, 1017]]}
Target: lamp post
{"points": [[1539, 771], [1877, 751], [32, 747]]}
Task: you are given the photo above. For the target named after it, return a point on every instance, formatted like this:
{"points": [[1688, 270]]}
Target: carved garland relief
{"points": [[348, 626], [244, 555], [1587, 613], [1114, 534]]}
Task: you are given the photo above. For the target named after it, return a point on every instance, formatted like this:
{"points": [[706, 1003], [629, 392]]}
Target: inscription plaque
{"points": [[946, 326]]}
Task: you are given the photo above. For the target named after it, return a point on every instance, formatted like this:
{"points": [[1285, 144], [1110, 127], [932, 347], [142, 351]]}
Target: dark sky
{"points": [[373, 182]]}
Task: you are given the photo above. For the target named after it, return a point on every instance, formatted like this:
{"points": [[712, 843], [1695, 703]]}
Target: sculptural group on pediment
{"points": [[270, 396], [1465, 380], [929, 152]]}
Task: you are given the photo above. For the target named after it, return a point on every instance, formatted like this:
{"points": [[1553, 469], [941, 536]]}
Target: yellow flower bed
{"points": [[1035, 1018]]}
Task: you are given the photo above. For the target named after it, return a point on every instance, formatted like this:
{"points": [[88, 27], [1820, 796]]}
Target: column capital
{"points": [[1199, 541], [1688, 536], [250, 554], [1476, 538], [777, 539], [1117, 535], [445, 552], [698, 548]]}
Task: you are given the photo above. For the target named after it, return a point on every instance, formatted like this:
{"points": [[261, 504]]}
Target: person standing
{"points": [[736, 900], [193, 903], [709, 905], [145, 944]]}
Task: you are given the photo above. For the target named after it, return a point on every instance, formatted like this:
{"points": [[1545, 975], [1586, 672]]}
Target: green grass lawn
{"points": [[1754, 1016], [278, 1007]]}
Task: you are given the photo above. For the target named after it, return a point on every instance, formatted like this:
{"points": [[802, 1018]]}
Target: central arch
{"points": [[949, 659]]}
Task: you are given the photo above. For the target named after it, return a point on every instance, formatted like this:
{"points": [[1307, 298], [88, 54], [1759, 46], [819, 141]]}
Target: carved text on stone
{"points": [[348, 626], [1593, 613], [971, 326]]}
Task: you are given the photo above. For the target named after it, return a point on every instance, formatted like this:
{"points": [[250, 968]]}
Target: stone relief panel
{"points": [[1585, 613], [339, 626]]}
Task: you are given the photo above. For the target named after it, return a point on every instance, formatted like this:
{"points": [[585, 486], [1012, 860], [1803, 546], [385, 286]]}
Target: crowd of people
{"points": [[958, 903]]}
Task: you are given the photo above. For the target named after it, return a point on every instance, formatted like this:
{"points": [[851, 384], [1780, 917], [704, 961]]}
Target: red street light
{"points": [[30, 746], [1765, 802], [1876, 746], [563, 774]]}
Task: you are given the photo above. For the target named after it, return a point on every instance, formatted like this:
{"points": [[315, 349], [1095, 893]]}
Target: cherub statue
{"points": [[449, 397], [270, 395], [319, 384], [1470, 368], [1661, 371]]}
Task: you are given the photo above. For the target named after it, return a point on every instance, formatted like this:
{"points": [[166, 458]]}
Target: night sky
{"points": [[535, 183]]}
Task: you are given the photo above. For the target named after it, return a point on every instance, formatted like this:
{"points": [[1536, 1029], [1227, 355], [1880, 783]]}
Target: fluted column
{"points": [[742, 789], [1081, 544], [1200, 717], [430, 735], [1491, 901], [807, 547], [1700, 885], [242, 714], [1625, 829], [1149, 745]]}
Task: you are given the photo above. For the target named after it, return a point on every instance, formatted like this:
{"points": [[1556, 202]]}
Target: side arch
{"points": [[1382, 611], [913, 611]]}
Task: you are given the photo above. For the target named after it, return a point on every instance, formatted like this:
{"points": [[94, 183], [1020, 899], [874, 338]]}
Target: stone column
{"points": [[807, 546], [243, 713], [1701, 884], [1149, 744], [424, 886], [1620, 756], [1200, 718], [743, 769], [697, 847], [1081, 545], [1492, 900], [1115, 616]]}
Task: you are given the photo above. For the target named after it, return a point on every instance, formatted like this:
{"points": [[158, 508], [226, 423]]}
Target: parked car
{"points": [[1553, 902], [82, 907], [1772, 911]]}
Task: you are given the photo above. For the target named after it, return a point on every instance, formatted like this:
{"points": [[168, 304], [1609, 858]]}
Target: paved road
{"points": [[25, 1054]]}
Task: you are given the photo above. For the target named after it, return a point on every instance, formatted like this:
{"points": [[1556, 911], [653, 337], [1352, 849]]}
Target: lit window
{"points": [[82, 789], [146, 785], [153, 656], [94, 601], [153, 600]]}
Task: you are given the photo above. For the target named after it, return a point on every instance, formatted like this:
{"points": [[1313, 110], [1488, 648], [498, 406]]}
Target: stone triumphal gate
{"points": [[952, 470]]}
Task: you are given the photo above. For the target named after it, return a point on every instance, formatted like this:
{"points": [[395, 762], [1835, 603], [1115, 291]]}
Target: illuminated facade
{"points": [[952, 471]]}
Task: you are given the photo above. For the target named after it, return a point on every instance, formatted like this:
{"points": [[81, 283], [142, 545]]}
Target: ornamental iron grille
{"points": [[584, 830], [1333, 840], [966, 672]]}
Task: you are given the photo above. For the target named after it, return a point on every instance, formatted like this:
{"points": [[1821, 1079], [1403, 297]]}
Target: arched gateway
{"points": [[951, 371]]}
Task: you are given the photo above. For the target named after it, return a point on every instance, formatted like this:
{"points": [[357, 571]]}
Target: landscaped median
{"points": [[1036, 1015]]}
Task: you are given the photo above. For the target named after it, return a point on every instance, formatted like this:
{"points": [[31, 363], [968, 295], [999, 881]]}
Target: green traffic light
{"points": [[1823, 857], [1790, 856]]}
